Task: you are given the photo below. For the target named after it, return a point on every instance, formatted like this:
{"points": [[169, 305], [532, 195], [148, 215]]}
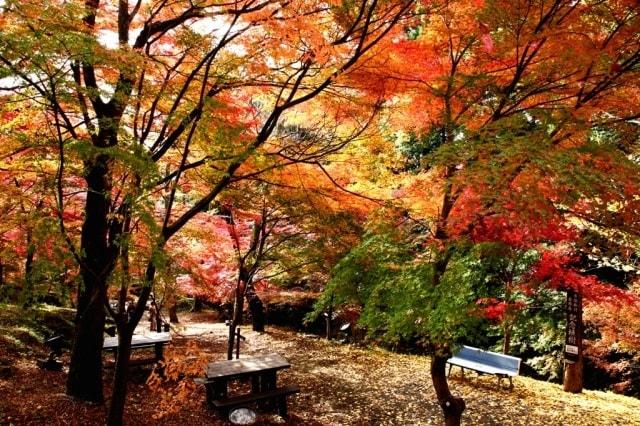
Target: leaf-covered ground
{"points": [[341, 385]]}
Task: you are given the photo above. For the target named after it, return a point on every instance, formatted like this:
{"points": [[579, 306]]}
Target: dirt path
{"points": [[341, 385]]}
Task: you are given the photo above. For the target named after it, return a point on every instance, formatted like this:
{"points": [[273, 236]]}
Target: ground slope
{"points": [[341, 385]]}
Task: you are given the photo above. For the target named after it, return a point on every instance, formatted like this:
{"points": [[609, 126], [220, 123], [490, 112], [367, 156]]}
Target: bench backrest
{"points": [[493, 359]]}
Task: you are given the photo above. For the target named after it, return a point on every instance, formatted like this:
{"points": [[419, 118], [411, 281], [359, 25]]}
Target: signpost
{"points": [[573, 337]]}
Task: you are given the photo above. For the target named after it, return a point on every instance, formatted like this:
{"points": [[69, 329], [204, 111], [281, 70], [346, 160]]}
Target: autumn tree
{"points": [[505, 116], [147, 95]]}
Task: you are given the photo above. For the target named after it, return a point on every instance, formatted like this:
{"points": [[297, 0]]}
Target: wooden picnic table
{"points": [[261, 370], [141, 341]]}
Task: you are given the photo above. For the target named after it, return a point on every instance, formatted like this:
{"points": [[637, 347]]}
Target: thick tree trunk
{"points": [[85, 370], [573, 377], [452, 406], [121, 375], [256, 307]]}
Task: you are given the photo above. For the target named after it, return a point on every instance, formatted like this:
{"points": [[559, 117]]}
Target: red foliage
{"points": [[555, 269], [521, 232], [496, 310]]}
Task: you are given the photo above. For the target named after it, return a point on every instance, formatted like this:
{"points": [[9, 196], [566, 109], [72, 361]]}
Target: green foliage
{"points": [[538, 335], [416, 148], [403, 299]]}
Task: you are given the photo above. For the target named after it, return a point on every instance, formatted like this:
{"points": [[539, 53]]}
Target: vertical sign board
{"points": [[573, 338]]}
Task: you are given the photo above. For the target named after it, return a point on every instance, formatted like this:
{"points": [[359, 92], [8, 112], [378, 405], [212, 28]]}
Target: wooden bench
{"points": [[277, 395], [260, 370], [156, 341], [503, 366]]}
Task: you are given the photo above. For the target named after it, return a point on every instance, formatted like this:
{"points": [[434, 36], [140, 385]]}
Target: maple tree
{"points": [[148, 96], [501, 120]]}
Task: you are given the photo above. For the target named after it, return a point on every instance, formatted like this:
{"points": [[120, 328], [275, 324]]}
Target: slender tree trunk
{"points": [[173, 313], [197, 304], [31, 251], [238, 307], [121, 375], [328, 328], [119, 395], [506, 344], [329, 318], [28, 292], [452, 406], [256, 307], [85, 370]]}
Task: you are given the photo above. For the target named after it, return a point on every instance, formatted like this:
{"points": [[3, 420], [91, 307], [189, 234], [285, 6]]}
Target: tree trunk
{"points": [[197, 304], [85, 370], [256, 307], [236, 320], [452, 406], [173, 313], [329, 318], [506, 344], [125, 331], [28, 292], [121, 375]]}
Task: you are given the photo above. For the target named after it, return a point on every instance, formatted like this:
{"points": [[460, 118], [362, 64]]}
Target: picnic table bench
{"points": [[503, 366], [261, 370], [157, 341]]}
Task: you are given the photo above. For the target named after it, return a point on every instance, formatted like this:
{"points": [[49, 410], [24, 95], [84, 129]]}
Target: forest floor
{"points": [[340, 385]]}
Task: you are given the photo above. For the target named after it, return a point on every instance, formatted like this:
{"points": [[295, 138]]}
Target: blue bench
{"points": [[503, 366]]}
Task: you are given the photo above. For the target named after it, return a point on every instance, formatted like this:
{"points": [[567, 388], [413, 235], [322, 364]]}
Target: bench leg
{"points": [[282, 407], [219, 389], [449, 373], [500, 377], [159, 352], [255, 384], [268, 381], [210, 396]]}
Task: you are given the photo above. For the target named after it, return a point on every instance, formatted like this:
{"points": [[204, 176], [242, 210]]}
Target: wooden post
{"points": [[573, 377]]}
